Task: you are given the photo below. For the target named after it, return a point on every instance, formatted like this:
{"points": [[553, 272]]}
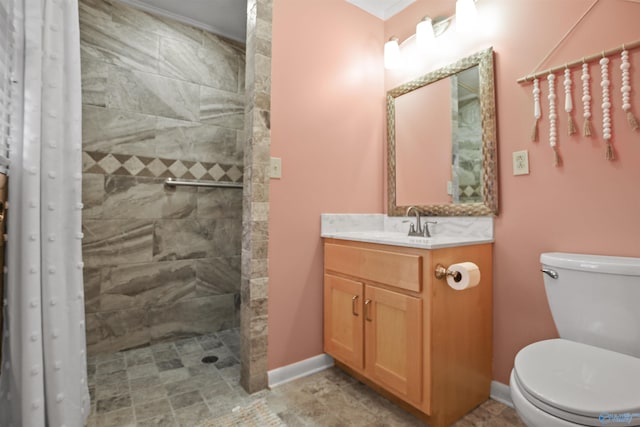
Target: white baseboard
{"points": [[300, 369], [501, 393]]}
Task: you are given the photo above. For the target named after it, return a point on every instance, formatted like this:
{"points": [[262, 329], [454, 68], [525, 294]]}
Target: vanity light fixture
{"points": [[428, 29]]}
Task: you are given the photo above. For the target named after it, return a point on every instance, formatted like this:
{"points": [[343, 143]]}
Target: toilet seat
{"points": [[580, 383]]}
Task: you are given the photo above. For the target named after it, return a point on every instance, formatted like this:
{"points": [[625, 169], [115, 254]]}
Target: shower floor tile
{"points": [[167, 384]]}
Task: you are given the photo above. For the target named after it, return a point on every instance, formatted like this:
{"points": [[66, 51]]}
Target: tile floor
{"points": [[168, 385]]}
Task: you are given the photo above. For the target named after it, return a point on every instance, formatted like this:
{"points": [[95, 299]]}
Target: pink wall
{"points": [[327, 126], [589, 205]]}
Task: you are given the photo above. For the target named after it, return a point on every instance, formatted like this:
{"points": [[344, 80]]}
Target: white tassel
{"points": [[626, 89], [606, 107], [586, 100], [568, 101], [553, 117], [536, 109]]}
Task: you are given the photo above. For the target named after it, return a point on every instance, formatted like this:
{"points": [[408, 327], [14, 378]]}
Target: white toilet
{"points": [[590, 376]]}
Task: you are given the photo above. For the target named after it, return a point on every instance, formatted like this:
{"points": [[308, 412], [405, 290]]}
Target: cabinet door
{"points": [[343, 329], [393, 337]]}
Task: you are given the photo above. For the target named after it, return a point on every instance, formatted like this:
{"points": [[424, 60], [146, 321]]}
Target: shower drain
{"points": [[210, 359]]}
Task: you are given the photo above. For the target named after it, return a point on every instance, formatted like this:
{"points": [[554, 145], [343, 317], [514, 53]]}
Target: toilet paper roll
{"points": [[468, 277]]}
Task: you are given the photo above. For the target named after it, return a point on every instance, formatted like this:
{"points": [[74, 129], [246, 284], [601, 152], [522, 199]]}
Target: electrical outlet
{"points": [[276, 168], [521, 162]]}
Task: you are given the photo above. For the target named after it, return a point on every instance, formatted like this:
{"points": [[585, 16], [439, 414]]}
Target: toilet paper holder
{"points": [[441, 272]]}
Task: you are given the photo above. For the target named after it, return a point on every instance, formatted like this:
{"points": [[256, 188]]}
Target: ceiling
{"points": [[383, 9], [227, 18]]}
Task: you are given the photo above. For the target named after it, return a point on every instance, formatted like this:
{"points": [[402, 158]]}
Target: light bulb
{"points": [[466, 16], [391, 54], [424, 33]]}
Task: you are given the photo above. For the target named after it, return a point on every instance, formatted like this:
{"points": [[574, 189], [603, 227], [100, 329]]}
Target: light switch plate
{"points": [[276, 168], [521, 162]]}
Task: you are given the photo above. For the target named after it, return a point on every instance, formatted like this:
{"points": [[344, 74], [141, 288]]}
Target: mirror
{"points": [[449, 169]]}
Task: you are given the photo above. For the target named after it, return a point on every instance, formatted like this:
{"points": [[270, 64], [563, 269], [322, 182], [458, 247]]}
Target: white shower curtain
{"points": [[43, 380]]}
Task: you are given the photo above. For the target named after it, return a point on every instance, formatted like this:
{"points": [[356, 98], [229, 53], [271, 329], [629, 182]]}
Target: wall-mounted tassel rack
{"points": [[602, 58], [586, 59]]}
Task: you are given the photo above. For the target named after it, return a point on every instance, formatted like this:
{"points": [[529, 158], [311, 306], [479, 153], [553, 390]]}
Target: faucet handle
{"points": [[412, 227], [427, 233]]}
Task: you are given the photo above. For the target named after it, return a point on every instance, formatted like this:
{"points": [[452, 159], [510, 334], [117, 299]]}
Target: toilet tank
{"points": [[595, 299]]}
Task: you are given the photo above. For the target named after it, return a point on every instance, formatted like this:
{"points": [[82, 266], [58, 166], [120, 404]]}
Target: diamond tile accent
{"points": [[234, 174], [109, 164], [216, 172], [133, 165], [129, 165], [198, 171], [157, 167], [468, 191], [178, 169]]}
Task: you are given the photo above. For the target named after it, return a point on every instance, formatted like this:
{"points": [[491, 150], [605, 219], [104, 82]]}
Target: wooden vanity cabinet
{"points": [[391, 324]]}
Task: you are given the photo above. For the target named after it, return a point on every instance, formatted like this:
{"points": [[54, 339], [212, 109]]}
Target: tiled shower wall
{"points": [[160, 99]]}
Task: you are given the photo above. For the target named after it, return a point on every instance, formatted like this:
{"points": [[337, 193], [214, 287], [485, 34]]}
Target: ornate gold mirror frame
{"points": [[489, 206]]}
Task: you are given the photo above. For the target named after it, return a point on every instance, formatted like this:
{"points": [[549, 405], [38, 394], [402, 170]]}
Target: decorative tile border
{"points": [[155, 167]]}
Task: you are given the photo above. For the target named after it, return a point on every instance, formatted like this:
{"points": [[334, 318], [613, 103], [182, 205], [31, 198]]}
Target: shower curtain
{"points": [[43, 380]]}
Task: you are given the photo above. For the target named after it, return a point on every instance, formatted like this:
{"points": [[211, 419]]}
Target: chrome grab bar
{"points": [[172, 182]]}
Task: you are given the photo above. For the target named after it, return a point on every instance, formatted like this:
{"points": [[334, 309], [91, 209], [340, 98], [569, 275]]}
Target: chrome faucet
{"points": [[417, 230]]}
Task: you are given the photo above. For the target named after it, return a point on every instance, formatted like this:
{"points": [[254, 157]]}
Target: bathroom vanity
{"points": [[390, 323]]}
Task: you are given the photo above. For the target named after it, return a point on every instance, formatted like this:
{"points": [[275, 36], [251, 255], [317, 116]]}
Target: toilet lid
{"points": [[580, 379]]}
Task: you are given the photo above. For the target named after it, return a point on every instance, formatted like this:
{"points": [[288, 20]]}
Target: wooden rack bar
{"points": [[627, 46]]}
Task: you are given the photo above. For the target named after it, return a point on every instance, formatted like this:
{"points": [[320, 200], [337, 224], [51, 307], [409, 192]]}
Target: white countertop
{"points": [[378, 228]]}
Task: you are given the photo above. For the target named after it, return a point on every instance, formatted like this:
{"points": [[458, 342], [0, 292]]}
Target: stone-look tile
{"points": [[92, 195], [328, 398], [120, 45], [121, 418], [113, 403], [117, 330], [187, 346], [114, 131], [193, 141], [95, 11], [192, 415], [167, 365], [218, 203], [146, 198], [192, 317], [183, 400], [140, 384], [110, 367], [138, 356], [114, 242], [148, 394], [142, 371], [94, 82], [109, 390], [155, 24], [152, 408], [217, 276], [194, 239], [222, 108], [152, 94], [165, 420], [92, 279], [197, 64]]}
